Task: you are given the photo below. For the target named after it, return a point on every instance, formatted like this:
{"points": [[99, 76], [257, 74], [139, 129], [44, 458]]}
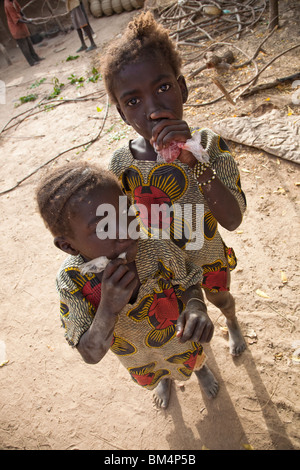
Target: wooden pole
{"points": [[273, 14], [4, 52]]}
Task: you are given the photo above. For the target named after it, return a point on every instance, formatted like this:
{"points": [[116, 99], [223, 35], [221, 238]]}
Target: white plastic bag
{"points": [[193, 145], [98, 264]]}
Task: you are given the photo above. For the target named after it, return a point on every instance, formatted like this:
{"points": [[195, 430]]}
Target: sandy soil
{"points": [[49, 398]]}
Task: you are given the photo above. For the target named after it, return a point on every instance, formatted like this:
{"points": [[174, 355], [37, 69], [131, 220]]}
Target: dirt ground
{"points": [[51, 399]]}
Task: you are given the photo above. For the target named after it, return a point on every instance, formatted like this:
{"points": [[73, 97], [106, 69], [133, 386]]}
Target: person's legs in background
{"points": [[28, 51]]}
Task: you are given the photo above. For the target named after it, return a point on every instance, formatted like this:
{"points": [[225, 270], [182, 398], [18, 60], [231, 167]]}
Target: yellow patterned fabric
{"points": [[149, 183], [144, 337]]}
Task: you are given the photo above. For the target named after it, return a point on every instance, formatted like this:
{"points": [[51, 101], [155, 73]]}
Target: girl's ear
{"points": [[64, 245], [183, 88], [122, 114]]}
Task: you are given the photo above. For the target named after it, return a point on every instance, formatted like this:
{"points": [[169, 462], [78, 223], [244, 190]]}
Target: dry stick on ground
{"points": [[233, 89], [254, 80], [257, 50], [207, 49], [209, 22], [248, 83], [90, 142], [21, 114], [268, 85], [223, 89], [247, 62], [190, 28], [54, 104]]}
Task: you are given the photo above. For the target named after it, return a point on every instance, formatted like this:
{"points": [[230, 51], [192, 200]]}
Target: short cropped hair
{"points": [[143, 38], [59, 187]]}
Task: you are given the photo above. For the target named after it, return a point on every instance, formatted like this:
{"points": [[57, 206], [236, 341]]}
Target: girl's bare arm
{"points": [[96, 341], [118, 283]]}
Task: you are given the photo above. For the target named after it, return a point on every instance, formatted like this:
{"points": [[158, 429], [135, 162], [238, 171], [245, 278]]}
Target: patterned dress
{"points": [[173, 185], [144, 336]]}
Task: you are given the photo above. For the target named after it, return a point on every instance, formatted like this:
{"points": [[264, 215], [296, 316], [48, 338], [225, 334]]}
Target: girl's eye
{"points": [[132, 102], [164, 87]]}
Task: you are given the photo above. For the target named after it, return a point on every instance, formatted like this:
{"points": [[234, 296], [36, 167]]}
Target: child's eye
{"points": [[164, 87], [133, 102]]}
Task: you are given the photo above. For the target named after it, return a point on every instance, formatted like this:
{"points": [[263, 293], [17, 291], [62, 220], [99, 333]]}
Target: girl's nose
{"points": [[155, 115], [153, 110]]}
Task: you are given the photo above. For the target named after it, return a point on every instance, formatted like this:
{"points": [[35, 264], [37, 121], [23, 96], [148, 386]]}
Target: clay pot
{"points": [[95, 8], [117, 6], [106, 7], [137, 3], [126, 4]]}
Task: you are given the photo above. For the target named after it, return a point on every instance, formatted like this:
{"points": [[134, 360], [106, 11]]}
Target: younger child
{"points": [[147, 308], [141, 71], [81, 24]]}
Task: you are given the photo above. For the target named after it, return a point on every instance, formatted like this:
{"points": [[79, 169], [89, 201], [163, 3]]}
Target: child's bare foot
{"points": [[162, 393], [236, 340], [208, 382], [226, 303]]}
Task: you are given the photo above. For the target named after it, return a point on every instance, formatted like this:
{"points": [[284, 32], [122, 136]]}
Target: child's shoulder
{"points": [[211, 141], [120, 159], [69, 265]]}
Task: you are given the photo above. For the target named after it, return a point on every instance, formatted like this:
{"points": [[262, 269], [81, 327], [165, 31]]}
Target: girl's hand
{"points": [[168, 130], [118, 284], [194, 324], [187, 158]]}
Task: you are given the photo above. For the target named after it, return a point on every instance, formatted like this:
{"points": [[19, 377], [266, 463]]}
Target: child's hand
{"points": [[187, 158], [117, 286], [168, 130], [194, 324]]}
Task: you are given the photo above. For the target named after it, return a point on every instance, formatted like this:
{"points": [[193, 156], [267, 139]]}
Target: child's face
{"points": [[84, 222], [147, 92]]}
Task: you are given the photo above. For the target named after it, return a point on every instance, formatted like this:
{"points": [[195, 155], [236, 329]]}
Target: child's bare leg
{"points": [[83, 44], [225, 302], [162, 393], [208, 382]]}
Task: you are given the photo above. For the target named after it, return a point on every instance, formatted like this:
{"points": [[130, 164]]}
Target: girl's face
{"points": [[147, 92], [84, 224]]}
